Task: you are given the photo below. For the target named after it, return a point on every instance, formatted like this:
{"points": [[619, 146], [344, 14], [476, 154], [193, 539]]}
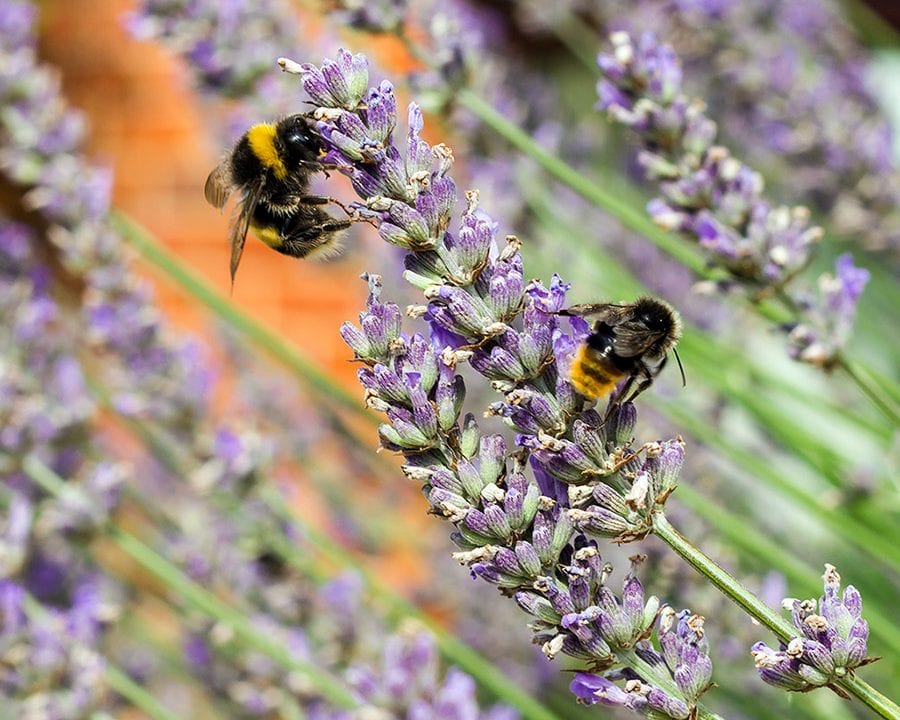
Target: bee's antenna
{"points": [[680, 367]]}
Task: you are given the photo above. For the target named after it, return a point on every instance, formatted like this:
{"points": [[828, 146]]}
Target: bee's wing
{"points": [[219, 185], [237, 234], [605, 312], [631, 341]]}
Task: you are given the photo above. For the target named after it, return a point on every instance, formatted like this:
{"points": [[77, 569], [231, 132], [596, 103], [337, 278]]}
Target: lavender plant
{"points": [[512, 529], [159, 398], [586, 477], [717, 200]]}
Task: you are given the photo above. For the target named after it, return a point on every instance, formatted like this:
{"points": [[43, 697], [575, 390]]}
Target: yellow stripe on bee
{"points": [[592, 376], [262, 142], [269, 235]]}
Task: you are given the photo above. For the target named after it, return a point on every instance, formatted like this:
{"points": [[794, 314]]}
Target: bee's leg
{"points": [[324, 200], [646, 379], [308, 240], [643, 376], [620, 397], [318, 200]]}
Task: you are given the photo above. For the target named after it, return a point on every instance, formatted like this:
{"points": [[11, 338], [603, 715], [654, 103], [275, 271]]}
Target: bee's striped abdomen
{"points": [[592, 374]]}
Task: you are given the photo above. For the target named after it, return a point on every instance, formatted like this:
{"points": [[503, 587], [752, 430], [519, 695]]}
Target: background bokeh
{"points": [[801, 457]]}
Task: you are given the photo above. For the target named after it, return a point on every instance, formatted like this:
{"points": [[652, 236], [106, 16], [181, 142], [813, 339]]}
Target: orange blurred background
{"points": [[147, 124]]}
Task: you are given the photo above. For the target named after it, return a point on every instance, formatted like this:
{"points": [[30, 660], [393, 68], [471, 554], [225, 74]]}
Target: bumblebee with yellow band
{"points": [[628, 341], [271, 166]]}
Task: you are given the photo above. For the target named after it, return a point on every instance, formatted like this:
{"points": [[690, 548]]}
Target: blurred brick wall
{"points": [[146, 123]]}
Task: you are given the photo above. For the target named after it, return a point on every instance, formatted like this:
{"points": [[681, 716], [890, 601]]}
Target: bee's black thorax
{"points": [[660, 324], [284, 155]]}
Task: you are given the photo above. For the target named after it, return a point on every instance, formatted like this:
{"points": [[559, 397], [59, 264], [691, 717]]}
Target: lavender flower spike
{"points": [[829, 644], [717, 200], [706, 193], [514, 513]]}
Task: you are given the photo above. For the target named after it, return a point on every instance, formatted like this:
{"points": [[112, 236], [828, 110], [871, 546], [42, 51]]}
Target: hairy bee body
{"points": [[593, 372], [627, 342], [271, 166]]}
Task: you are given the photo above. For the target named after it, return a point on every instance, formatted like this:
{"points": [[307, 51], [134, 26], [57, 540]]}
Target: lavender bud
{"points": [[337, 84], [469, 441], [449, 397]]}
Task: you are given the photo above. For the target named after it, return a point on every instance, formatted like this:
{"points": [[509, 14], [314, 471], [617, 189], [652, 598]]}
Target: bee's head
{"points": [[661, 320], [300, 139]]}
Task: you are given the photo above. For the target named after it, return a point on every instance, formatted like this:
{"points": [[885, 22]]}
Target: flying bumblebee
{"points": [[272, 165], [628, 341]]}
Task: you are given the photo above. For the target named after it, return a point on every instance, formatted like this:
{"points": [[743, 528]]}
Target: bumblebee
{"points": [[627, 342], [271, 166]]}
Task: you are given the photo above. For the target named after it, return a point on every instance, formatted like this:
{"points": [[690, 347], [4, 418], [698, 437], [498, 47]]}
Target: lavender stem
{"points": [[753, 606]]}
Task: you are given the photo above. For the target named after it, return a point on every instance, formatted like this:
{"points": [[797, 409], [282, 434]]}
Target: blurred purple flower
{"points": [[826, 328], [714, 198]]}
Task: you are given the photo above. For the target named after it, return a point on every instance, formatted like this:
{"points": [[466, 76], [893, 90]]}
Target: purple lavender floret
{"points": [[819, 337], [829, 643]]}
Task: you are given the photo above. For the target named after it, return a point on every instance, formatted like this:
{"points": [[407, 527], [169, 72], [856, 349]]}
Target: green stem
{"points": [[331, 689], [136, 695], [756, 608], [769, 553], [721, 579], [874, 700], [872, 389], [873, 28]]}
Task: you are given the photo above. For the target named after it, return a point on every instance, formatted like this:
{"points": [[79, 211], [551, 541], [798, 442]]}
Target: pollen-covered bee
{"points": [[628, 342], [271, 166]]}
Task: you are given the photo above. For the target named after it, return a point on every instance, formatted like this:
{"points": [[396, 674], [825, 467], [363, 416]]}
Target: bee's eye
{"points": [[300, 139], [653, 322]]}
